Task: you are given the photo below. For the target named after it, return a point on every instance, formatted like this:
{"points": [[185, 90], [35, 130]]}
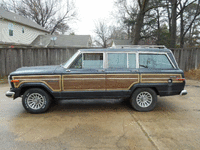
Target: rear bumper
{"points": [[183, 92], [10, 94]]}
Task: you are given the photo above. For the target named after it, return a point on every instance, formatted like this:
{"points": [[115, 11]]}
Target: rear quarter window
{"points": [[154, 61], [117, 60]]}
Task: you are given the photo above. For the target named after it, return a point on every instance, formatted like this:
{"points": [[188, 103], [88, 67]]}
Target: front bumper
{"points": [[10, 94], [183, 92]]}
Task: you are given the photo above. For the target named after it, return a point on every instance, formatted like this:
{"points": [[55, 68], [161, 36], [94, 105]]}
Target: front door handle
{"points": [[68, 70]]}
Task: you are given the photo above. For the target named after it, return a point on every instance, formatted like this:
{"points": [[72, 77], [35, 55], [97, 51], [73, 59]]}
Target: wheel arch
{"points": [[137, 86], [26, 86]]}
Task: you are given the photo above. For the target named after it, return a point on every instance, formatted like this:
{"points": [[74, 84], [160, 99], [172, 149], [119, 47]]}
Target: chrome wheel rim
{"points": [[35, 101], [144, 99]]}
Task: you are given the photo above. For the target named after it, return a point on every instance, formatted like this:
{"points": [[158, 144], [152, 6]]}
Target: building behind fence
{"points": [[11, 59]]}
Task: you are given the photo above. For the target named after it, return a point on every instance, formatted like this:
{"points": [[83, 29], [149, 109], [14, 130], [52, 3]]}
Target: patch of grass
{"points": [[3, 79], [193, 74]]}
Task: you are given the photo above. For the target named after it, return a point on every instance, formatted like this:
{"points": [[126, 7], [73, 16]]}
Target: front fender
{"points": [[25, 86]]}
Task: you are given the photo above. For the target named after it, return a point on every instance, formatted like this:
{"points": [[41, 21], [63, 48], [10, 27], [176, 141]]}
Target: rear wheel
{"points": [[144, 99], [36, 100]]}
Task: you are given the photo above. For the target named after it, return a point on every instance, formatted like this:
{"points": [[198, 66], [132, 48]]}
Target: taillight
{"points": [[180, 79]]}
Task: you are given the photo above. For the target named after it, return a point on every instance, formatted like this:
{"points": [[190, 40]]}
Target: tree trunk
{"points": [[173, 28], [169, 17], [158, 25], [182, 30], [140, 20], [138, 27]]}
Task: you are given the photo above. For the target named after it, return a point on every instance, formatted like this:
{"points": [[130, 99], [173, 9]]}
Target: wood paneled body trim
{"points": [[95, 82], [121, 81], [52, 81], [83, 82], [160, 78]]}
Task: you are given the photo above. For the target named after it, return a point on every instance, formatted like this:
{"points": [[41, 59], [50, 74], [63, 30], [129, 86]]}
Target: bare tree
{"points": [[62, 28], [136, 16], [102, 32], [191, 11], [47, 13], [126, 13]]}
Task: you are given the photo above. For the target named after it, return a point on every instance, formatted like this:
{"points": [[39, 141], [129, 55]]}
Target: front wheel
{"points": [[144, 99], [36, 100]]}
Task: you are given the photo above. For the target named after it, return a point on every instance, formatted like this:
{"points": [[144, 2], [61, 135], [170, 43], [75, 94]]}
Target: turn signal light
{"points": [[14, 81]]}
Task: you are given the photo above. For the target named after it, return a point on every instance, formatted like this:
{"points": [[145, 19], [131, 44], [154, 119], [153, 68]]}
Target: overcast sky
{"points": [[90, 11]]}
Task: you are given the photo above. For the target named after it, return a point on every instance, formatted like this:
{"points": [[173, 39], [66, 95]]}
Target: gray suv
{"points": [[137, 74]]}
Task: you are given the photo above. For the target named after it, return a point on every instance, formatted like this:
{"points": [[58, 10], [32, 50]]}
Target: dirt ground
{"points": [[193, 74], [103, 124]]}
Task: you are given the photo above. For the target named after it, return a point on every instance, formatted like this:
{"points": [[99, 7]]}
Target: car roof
{"points": [[126, 50]]}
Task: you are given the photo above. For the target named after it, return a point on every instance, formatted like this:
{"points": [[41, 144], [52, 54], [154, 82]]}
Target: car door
{"points": [[85, 77], [121, 73]]}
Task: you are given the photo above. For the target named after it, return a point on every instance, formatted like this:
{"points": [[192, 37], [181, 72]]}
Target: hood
{"points": [[35, 70]]}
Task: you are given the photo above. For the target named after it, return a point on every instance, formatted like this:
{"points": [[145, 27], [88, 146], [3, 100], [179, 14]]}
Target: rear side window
{"points": [[121, 60], [117, 60], [154, 61]]}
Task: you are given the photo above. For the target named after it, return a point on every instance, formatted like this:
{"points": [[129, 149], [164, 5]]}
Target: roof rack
{"points": [[140, 46]]}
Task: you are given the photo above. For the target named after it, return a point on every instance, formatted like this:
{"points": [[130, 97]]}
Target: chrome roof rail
{"points": [[139, 46]]}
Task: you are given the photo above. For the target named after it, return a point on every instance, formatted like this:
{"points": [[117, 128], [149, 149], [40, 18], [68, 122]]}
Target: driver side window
{"points": [[88, 61]]}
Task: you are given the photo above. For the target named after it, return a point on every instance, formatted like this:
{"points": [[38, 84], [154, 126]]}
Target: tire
{"points": [[36, 101], [144, 99]]}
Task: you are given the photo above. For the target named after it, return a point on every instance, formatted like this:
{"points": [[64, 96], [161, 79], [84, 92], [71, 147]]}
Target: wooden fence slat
{"points": [[3, 63]]}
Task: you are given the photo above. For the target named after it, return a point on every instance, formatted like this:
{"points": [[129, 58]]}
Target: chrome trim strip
{"points": [[77, 54], [137, 60], [158, 78], [98, 78], [174, 59], [171, 61], [35, 79]]}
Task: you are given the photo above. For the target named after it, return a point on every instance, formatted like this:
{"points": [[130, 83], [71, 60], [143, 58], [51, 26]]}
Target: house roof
{"points": [[19, 19], [122, 42], [62, 41]]}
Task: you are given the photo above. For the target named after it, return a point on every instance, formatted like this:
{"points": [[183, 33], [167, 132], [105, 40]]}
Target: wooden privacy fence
{"points": [[187, 58], [11, 59]]}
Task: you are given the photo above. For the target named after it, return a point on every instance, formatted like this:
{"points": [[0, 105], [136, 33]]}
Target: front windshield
{"points": [[65, 65]]}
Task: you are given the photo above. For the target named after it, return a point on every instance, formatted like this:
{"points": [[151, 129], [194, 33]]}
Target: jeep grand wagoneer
{"points": [[138, 74]]}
